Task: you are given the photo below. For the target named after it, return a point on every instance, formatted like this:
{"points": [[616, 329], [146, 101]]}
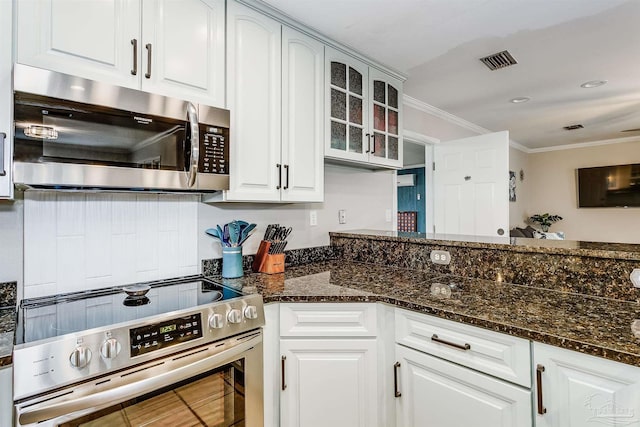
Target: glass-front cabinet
{"points": [[363, 112]]}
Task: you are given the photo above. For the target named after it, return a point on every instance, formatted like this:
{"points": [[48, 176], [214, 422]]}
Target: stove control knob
{"points": [[216, 321], [80, 357], [234, 316], [110, 348], [251, 312]]}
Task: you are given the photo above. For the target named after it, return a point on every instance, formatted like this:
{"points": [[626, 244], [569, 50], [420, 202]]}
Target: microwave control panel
{"points": [[165, 334], [214, 150]]}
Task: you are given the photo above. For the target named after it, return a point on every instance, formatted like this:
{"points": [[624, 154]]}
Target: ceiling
{"points": [[558, 44]]}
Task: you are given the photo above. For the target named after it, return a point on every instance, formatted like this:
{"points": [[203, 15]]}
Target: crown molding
{"points": [[419, 138], [441, 114], [586, 144]]}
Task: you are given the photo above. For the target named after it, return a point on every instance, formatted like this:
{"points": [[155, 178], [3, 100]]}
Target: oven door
{"points": [[219, 384]]}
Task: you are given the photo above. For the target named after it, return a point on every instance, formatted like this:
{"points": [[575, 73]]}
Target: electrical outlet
{"points": [[635, 277], [313, 218], [419, 196], [440, 257], [387, 215], [342, 216]]}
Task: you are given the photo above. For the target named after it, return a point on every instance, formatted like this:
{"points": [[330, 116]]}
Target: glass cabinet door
{"points": [[347, 107], [385, 116]]}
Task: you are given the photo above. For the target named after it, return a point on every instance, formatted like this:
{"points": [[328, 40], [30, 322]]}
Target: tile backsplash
{"points": [[76, 241]]}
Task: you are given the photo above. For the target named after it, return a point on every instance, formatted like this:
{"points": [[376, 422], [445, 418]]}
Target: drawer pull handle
{"points": [[539, 370], [466, 346], [284, 384], [395, 379]]}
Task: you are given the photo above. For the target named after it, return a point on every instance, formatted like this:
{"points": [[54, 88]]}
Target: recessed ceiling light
{"points": [[593, 83], [76, 87], [520, 99]]}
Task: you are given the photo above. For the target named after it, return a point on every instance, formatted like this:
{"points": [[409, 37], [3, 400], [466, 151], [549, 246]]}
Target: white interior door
{"points": [[471, 186]]}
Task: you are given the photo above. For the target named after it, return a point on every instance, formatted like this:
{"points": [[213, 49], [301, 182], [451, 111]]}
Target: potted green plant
{"points": [[545, 220]]}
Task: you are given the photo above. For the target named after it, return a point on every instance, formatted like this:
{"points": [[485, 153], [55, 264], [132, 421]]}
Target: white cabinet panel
{"points": [[580, 390], [254, 98], [85, 38], [329, 383], [328, 320], [271, 337], [186, 38], [302, 117], [6, 99], [435, 392], [6, 397]]}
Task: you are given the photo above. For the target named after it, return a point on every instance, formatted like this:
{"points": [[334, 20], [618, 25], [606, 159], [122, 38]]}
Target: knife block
{"points": [[266, 263]]}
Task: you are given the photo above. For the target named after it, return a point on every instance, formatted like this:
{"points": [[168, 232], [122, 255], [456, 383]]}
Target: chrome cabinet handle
{"points": [[134, 43], [279, 166], [396, 392], [435, 338], [148, 73], [286, 172], [192, 116], [282, 361], [539, 370], [3, 137]]}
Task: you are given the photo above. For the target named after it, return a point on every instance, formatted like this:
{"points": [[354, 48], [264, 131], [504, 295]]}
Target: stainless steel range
{"points": [[165, 353]]}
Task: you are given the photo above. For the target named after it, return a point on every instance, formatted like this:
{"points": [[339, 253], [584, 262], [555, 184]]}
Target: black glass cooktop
{"points": [[47, 317]]}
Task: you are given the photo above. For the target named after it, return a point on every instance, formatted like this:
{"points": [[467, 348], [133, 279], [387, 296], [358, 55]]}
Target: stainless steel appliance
{"points": [[76, 133], [188, 350]]}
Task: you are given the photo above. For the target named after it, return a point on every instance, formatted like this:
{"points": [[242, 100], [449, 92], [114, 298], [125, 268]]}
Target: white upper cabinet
{"points": [[274, 93], [6, 100], [363, 109], [302, 117], [170, 47]]}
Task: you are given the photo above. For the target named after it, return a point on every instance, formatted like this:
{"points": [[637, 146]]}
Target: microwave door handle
{"points": [[192, 115], [42, 412]]}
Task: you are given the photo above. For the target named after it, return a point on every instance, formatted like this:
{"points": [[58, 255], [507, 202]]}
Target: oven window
{"points": [[215, 398]]}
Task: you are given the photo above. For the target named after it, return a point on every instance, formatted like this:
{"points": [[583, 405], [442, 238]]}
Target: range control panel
{"points": [[214, 150], [164, 334]]}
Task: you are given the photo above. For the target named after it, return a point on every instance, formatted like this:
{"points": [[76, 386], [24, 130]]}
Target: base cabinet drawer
{"points": [[328, 320], [493, 353], [434, 392]]}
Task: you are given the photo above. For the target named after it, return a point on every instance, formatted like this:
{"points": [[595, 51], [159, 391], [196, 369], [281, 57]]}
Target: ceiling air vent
{"points": [[573, 127], [499, 60]]}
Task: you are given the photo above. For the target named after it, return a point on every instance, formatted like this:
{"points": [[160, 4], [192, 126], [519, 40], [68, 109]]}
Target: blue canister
{"points": [[232, 262]]}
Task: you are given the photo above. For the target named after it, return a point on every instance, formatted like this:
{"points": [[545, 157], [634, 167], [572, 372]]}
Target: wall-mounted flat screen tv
{"points": [[609, 186]]}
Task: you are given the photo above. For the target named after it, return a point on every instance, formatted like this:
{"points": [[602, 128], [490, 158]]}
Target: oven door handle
{"points": [[192, 116], [42, 412]]}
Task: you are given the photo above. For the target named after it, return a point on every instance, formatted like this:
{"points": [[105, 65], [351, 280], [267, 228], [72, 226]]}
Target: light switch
{"points": [[313, 218], [342, 216]]}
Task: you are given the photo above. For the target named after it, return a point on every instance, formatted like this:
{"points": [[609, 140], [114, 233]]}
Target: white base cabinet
{"points": [[328, 382], [434, 392], [6, 396], [574, 390]]}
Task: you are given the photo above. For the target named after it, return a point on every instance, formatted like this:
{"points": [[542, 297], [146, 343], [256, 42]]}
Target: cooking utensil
{"points": [[246, 232], [234, 233], [213, 233]]}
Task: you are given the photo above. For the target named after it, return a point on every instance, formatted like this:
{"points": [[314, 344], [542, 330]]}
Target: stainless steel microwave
{"points": [[76, 133]]}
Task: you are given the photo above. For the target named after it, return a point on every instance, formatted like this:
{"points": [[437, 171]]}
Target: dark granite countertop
{"points": [[7, 328], [627, 251], [588, 324]]}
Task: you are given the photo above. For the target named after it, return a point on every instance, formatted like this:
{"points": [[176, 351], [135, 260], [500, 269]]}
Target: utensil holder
{"points": [[232, 262], [267, 263]]}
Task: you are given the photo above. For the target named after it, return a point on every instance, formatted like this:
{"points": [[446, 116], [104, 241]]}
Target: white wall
{"points": [[519, 160], [364, 194], [553, 189]]}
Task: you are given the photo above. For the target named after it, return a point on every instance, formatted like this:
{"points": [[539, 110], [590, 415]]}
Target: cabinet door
{"points": [[580, 390], [385, 115], [6, 100], [183, 49], [90, 39], [434, 392], [346, 107], [253, 96], [271, 349], [302, 117], [329, 383]]}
